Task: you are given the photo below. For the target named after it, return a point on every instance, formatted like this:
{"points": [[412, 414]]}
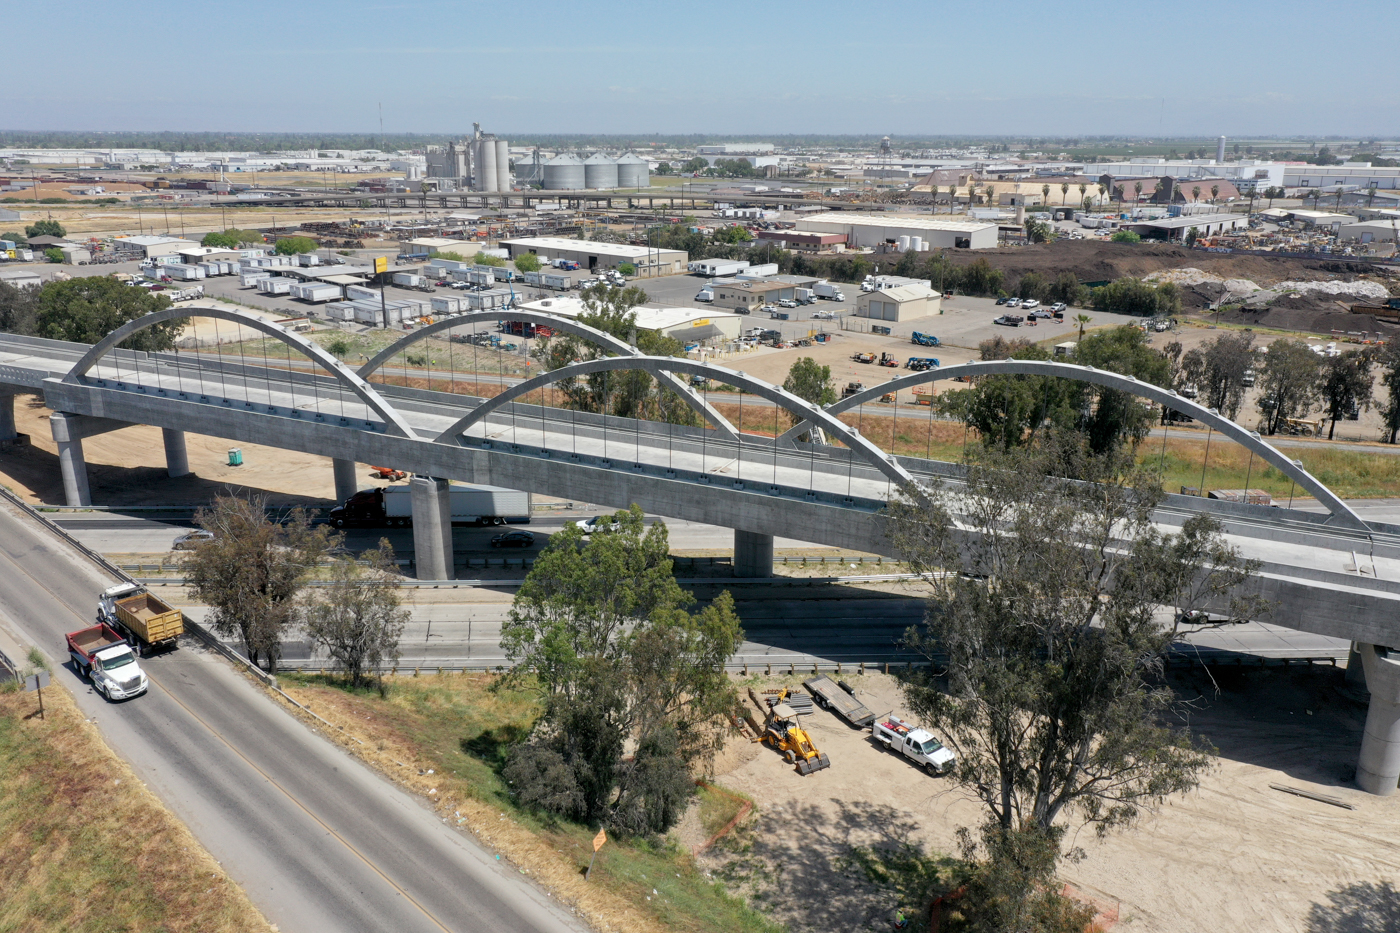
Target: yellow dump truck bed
{"points": [[152, 620]]}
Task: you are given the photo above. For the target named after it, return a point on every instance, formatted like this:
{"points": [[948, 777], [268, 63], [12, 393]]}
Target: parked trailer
{"points": [[278, 285], [828, 291], [409, 280], [318, 292], [140, 616], [178, 270], [447, 304], [393, 506], [836, 698], [357, 292], [102, 655], [560, 282]]}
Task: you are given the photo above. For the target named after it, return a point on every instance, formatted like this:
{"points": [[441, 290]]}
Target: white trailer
{"points": [[828, 291], [358, 292], [717, 267], [561, 282], [485, 505], [277, 285], [317, 292], [410, 280], [177, 270], [251, 279], [340, 311]]}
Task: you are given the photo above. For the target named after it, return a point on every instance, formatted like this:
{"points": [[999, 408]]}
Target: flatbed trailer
{"points": [[830, 696]]}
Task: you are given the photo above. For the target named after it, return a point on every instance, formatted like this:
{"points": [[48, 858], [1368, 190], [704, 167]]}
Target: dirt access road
{"points": [[1234, 855]]}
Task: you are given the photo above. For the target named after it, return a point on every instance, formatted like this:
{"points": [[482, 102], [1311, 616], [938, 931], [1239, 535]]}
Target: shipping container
{"points": [[409, 280], [276, 285], [178, 270], [316, 291], [251, 279], [561, 282]]}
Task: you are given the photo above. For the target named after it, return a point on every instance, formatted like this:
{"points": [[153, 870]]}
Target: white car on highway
{"points": [[597, 523]]}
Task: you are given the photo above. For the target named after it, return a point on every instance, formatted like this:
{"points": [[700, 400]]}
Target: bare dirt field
{"points": [[1234, 855]]}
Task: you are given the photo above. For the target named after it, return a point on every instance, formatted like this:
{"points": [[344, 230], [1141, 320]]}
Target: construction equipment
{"points": [[863, 357], [1302, 426], [924, 340], [388, 473], [887, 359], [887, 398], [782, 732], [921, 363], [852, 388]]}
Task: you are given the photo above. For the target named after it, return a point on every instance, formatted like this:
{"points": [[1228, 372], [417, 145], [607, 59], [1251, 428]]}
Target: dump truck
{"points": [[918, 745], [782, 732], [140, 616], [103, 656], [839, 699]]}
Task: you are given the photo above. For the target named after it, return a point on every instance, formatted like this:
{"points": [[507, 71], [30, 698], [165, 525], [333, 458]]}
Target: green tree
{"points": [[1214, 193], [1124, 236], [1217, 369], [1012, 411], [1389, 361], [252, 571], [1038, 231], [603, 632], [1345, 385], [1191, 236], [482, 258], [1081, 320], [1064, 193], [359, 618], [53, 254], [626, 268], [220, 240], [1083, 191], [527, 262], [45, 228], [1287, 383], [734, 233], [1044, 194], [84, 310], [1134, 296], [19, 309], [292, 245], [19, 239], [665, 168], [1137, 192], [1047, 648], [1111, 416], [1195, 193], [697, 164], [811, 381]]}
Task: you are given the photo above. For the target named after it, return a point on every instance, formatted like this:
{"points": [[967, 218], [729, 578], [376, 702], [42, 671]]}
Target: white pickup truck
{"points": [[914, 743]]}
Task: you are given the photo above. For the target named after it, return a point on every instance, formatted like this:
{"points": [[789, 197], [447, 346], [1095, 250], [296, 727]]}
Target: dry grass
{"points": [[84, 846], [455, 727]]}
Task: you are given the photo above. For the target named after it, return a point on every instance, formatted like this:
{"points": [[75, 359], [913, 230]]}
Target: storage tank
{"points": [[916, 243], [486, 166], [502, 165], [599, 171], [564, 172], [632, 172], [903, 244]]}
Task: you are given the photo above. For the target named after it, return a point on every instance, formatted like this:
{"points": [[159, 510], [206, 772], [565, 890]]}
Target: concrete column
{"points": [[177, 459], [432, 527], [1378, 769], [753, 554], [7, 417], [68, 437], [346, 483], [1356, 669]]}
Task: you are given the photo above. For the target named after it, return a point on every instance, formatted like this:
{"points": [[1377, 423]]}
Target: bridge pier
{"points": [[432, 527], [177, 458], [67, 434], [753, 554], [346, 483], [7, 416], [1378, 768]]}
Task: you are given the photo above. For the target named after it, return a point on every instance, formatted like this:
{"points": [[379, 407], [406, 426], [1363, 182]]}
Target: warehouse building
{"points": [[1369, 231], [899, 303], [688, 325], [153, 247], [427, 245], [747, 297], [872, 231], [1176, 228], [194, 255], [592, 255], [805, 242]]}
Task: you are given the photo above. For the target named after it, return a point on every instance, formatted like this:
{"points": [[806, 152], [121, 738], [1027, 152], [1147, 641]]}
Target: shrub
{"points": [[527, 262], [626, 268], [1125, 236], [292, 245], [481, 259]]}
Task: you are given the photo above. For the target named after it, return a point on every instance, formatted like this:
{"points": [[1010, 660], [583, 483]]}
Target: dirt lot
{"points": [[1235, 855]]}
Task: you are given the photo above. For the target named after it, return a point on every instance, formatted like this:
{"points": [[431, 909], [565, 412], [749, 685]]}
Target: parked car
{"points": [[1013, 302], [191, 539], [597, 523], [514, 539], [787, 303], [1059, 307], [822, 316], [1030, 303], [1002, 300]]}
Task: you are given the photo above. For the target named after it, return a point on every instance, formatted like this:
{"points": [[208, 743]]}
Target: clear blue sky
{"points": [[1009, 67]]}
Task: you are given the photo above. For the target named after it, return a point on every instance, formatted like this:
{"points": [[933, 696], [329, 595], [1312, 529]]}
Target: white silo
{"points": [[564, 172], [633, 172], [916, 243], [599, 171], [903, 244], [486, 165], [502, 165]]}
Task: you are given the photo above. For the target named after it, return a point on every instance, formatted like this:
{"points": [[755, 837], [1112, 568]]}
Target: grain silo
{"points": [[502, 165], [632, 172], [485, 164], [564, 172], [599, 171]]}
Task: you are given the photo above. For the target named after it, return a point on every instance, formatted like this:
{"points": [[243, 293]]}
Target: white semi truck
{"points": [[471, 505]]}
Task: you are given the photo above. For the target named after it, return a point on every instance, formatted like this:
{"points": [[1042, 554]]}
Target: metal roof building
{"points": [[899, 303], [872, 230], [155, 246], [590, 254], [1175, 228]]}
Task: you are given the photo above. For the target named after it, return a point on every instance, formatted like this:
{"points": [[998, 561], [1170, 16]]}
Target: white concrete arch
{"points": [[393, 421], [663, 364], [567, 325], [1250, 439]]}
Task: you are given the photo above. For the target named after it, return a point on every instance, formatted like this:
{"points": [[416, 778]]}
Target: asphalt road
{"points": [[320, 843]]}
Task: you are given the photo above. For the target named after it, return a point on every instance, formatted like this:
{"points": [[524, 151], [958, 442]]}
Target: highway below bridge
{"points": [[1333, 575]]}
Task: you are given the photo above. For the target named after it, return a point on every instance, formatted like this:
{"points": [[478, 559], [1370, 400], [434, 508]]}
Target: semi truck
{"points": [[918, 745], [103, 656], [140, 616], [392, 506], [829, 292]]}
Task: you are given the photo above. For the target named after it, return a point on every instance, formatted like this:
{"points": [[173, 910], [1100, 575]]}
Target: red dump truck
{"points": [[103, 656]]}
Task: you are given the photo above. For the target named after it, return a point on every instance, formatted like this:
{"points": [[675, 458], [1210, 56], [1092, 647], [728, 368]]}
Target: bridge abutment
{"points": [[432, 527], [67, 434], [177, 458], [753, 554], [1378, 768], [346, 483]]}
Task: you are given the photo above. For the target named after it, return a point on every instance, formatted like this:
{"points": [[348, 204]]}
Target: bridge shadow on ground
{"points": [[1364, 907], [1299, 720]]}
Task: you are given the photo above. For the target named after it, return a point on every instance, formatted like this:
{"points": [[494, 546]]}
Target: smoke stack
{"points": [[1220, 149]]}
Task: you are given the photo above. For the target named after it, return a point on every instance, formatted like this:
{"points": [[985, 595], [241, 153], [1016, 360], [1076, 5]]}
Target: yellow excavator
{"points": [[782, 732]]}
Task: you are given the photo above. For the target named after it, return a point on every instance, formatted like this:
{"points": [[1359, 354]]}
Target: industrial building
{"points": [[567, 172], [591, 255], [427, 245], [804, 242], [1176, 228], [747, 297], [481, 162], [194, 255], [869, 231], [1369, 231], [153, 247], [899, 303], [689, 325]]}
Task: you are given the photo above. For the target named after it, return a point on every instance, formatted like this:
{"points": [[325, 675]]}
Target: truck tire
{"points": [[338, 522]]}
